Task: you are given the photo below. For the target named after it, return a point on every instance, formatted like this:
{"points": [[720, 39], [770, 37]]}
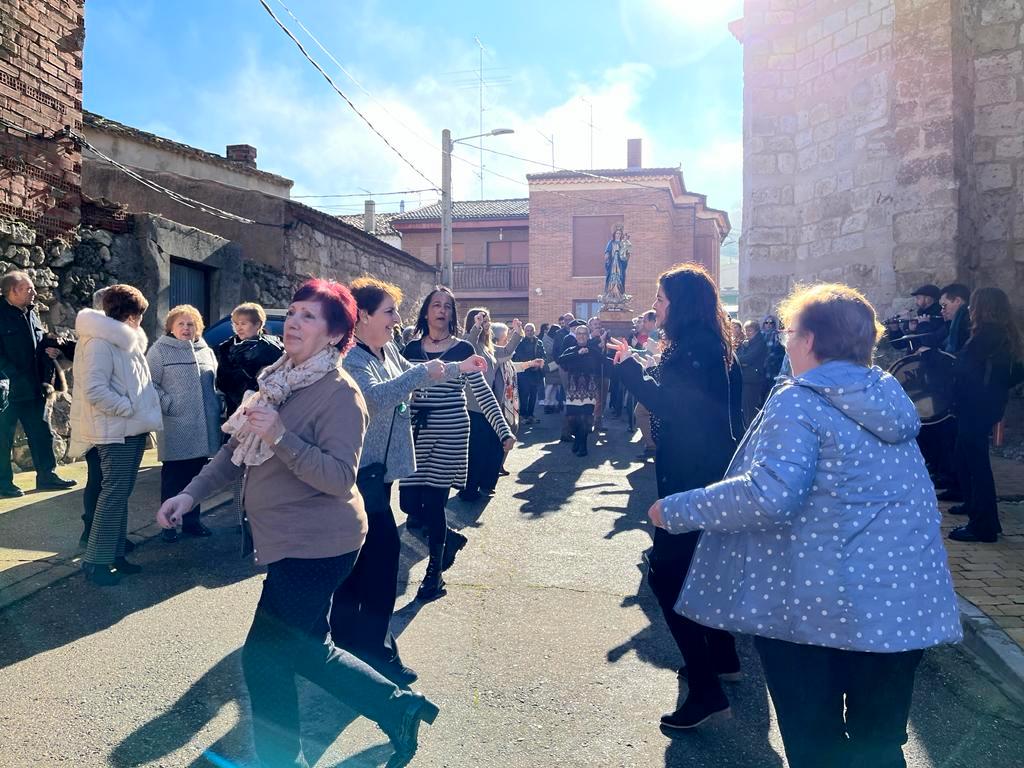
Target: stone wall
{"points": [[882, 146]]}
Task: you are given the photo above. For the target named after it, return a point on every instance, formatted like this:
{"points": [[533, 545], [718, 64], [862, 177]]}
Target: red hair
{"points": [[337, 304]]}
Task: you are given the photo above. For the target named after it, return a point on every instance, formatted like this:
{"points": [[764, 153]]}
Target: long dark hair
{"points": [[992, 306], [423, 328], [694, 305]]}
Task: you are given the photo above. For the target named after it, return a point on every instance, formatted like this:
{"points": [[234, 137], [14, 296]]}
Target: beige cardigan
{"points": [[303, 501], [113, 396]]}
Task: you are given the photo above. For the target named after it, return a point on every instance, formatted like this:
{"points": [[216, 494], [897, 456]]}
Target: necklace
{"points": [[438, 341]]}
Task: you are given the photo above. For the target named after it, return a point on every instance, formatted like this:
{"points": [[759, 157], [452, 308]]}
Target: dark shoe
{"points": [[125, 568], [399, 674], [959, 509], [503, 472], [565, 439], [431, 590], [405, 742], [432, 586], [101, 575], [951, 494], [11, 491], [454, 542], [198, 530], [50, 482], [694, 713], [467, 495], [169, 535], [964, 533], [129, 546]]}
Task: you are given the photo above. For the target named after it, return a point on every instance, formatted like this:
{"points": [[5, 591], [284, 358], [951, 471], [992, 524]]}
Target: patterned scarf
{"points": [[276, 385], [655, 372]]}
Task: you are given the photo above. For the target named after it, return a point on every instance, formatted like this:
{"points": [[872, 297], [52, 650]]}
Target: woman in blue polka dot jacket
{"points": [[823, 542]]}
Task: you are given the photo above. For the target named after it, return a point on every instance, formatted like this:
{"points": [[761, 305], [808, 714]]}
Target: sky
{"points": [[215, 72]]}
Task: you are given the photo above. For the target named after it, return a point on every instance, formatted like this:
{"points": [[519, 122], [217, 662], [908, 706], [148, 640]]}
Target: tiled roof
{"points": [[612, 172], [384, 227], [473, 210], [100, 123]]}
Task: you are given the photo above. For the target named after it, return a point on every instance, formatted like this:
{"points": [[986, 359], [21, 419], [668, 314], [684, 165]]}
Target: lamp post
{"points": [[447, 144]]}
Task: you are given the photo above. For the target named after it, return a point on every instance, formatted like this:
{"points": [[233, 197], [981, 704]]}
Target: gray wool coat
{"points": [[183, 375]]}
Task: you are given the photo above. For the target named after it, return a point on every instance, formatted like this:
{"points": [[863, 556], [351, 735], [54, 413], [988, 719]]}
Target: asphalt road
{"points": [[547, 651]]}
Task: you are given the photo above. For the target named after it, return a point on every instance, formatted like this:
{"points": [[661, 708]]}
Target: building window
{"points": [[584, 310], [507, 252], [190, 284], [590, 236], [458, 253]]}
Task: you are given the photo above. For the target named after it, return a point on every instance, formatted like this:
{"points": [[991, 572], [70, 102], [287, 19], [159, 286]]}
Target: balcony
{"points": [[478, 277]]}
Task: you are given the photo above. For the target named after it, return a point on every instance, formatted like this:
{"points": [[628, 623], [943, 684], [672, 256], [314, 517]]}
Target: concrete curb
{"points": [[57, 568], [995, 649]]}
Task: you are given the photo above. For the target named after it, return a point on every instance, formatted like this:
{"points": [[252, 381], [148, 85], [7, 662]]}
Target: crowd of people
{"points": [[796, 490]]}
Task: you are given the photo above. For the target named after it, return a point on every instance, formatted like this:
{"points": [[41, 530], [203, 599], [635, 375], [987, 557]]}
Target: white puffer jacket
{"points": [[113, 396]]}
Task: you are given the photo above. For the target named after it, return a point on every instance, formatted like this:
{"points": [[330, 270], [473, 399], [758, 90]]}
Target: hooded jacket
{"points": [[114, 397], [825, 530]]}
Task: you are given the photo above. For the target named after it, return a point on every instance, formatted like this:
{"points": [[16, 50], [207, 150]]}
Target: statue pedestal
{"points": [[617, 318]]}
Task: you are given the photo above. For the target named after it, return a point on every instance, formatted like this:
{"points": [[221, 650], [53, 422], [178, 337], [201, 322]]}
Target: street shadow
{"points": [[168, 571]]}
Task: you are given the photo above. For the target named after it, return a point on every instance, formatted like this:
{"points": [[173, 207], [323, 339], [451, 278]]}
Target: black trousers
{"points": [[31, 414], [290, 636], [174, 476], [705, 650], [426, 504], [974, 469], [810, 686], [485, 454], [93, 484], [938, 444], [581, 420], [529, 385], [363, 604]]}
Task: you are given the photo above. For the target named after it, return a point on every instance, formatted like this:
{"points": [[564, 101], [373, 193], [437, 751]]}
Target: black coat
{"points": [[239, 363], [983, 376], [698, 402], [530, 349], [20, 337]]}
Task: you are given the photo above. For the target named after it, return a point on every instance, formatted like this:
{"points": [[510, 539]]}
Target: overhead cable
{"points": [[341, 93]]}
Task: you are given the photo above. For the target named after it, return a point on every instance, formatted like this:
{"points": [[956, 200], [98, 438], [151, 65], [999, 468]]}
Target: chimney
{"points": [[243, 154], [401, 206], [370, 218], [633, 154]]}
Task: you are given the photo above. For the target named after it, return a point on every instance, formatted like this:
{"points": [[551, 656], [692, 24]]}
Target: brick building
{"points": [[883, 146], [40, 99], [539, 257], [490, 251]]}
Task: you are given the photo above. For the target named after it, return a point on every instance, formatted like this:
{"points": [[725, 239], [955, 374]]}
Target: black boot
{"points": [[453, 544], [101, 575], [432, 586], [406, 740], [696, 710]]}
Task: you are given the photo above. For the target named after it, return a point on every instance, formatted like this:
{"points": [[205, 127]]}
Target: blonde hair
{"points": [[369, 293], [252, 311], [844, 324], [184, 309]]}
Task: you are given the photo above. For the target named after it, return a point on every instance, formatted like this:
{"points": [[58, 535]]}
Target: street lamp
{"points": [[447, 144]]}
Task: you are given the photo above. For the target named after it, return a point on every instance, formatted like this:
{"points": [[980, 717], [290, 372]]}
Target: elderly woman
{"points": [[184, 372], [823, 542], [363, 604], [441, 431], [582, 362], [752, 353], [487, 449], [244, 355], [113, 411], [297, 442]]}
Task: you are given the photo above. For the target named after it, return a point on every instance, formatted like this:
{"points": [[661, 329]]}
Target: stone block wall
{"points": [[41, 95]]}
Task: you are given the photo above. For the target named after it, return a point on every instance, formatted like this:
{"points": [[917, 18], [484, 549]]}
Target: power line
{"points": [[368, 194], [341, 93]]}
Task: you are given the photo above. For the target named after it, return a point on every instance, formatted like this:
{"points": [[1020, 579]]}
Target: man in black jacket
{"points": [[532, 379], [21, 338]]}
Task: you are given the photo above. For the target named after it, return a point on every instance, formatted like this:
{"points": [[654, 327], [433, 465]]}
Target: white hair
{"points": [[499, 331]]}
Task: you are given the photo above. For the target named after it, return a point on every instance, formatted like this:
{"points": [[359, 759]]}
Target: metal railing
{"points": [[479, 277]]}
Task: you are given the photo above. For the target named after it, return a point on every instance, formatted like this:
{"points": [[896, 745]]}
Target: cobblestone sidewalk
{"points": [[992, 575]]}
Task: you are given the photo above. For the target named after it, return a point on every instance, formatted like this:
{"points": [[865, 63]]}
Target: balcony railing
{"points": [[478, 277]]}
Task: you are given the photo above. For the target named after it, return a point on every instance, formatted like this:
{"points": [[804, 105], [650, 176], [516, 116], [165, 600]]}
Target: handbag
{"points": [[370, 479]]}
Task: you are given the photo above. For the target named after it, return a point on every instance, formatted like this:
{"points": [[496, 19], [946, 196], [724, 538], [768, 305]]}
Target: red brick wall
{"points": [[661, 233], [423, 244], [41, 92]]}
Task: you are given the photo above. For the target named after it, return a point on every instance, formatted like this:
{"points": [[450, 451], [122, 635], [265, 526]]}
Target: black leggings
{"points": [[426, 505], [485, 454]]}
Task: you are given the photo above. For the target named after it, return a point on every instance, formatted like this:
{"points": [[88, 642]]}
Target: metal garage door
{"points": [[190, 285]]}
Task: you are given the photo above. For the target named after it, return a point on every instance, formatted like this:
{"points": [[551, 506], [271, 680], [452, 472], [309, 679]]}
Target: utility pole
{"points": [[481, 79], [446, 208]]}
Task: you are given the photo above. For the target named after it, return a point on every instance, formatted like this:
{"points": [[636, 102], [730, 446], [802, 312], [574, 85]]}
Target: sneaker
{"points": [[694, 713]]}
